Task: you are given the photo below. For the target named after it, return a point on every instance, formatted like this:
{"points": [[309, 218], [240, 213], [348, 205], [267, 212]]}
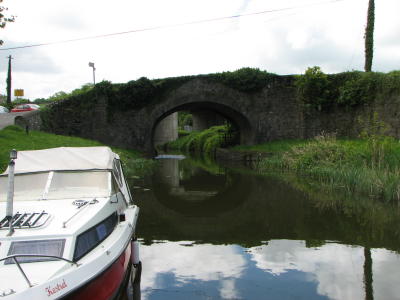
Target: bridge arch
{"points": [[196, 96], [239, 121]]}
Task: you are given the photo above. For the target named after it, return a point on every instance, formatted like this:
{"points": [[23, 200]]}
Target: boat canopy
{"points": [[58, 185], [64, 159]]}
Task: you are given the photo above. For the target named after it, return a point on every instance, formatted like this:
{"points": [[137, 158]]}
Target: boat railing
{"points": [[80, 209], [15, 256]]}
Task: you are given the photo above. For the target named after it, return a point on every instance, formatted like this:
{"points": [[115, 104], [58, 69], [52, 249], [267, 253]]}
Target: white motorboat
{"points": [[67, 229]]}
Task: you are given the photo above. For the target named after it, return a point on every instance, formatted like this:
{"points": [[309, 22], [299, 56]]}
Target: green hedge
{"points": [[321, 91]]}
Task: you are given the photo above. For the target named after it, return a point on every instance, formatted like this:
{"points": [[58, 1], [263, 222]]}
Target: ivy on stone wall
{"points": [[322, 91], [315, 90], [245, 80], [140, 93]]}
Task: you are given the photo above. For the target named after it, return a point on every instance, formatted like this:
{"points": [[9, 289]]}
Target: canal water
{"points": [[211, 232]]}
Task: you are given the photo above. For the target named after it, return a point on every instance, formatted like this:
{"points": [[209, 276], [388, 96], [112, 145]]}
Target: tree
{"points": [[4, 19], [369, 36], [58, 96], [8, 81], [313, 87]]}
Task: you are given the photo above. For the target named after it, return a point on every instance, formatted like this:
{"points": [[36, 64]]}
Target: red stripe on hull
{"points": [[106, 285]]}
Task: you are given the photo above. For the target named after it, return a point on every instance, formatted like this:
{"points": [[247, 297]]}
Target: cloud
{"points": [[33, 60], [329, 35], [67, 20]]}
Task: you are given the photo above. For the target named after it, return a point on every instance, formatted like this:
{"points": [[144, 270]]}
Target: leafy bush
{"points": [[205, 141], [313, 87], [321, 91], [244, 80], [20, 101], [182, 133], [184, 119], [360, 88]]}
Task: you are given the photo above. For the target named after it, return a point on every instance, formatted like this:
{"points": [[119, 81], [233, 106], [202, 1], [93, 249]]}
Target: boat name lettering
{"points": [[80, 203], [52, 290]]}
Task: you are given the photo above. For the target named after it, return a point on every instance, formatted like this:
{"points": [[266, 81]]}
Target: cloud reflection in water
{"points": [[201, 262], [282, 268], [338, 269]]}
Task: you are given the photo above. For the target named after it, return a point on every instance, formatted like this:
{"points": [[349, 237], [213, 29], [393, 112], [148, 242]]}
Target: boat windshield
{"points": [[58, 185]]}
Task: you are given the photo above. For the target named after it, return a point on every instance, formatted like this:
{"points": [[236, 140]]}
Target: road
{"points": [[8, 119]]}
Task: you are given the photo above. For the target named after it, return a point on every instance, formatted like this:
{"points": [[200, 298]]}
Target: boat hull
{"points": [[110, 283]]}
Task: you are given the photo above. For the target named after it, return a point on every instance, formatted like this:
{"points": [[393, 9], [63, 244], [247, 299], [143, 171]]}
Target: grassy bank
{"points": [[13, 137], [202, 141], [369, 166]]}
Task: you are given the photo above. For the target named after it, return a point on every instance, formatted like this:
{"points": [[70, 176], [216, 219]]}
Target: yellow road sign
{"points": [[18, 92]]}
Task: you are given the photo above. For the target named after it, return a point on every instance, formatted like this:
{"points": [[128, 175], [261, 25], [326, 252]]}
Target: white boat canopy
{"points": [[64, 159]]}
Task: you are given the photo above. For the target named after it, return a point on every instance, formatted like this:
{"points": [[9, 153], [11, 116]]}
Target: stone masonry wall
{"points": [[273, 113]]}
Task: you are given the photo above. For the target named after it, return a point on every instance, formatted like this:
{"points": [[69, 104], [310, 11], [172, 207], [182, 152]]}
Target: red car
{"points": [[25, 107]]}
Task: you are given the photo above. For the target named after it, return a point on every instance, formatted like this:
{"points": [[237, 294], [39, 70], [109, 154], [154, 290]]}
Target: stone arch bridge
{"points": [[272, 113]]}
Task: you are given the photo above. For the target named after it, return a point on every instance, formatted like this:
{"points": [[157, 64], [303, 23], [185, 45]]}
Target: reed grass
{"points": [[369, 166]]}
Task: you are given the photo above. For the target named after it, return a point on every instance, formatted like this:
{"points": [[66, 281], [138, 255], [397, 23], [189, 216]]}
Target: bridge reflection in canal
{"points": [[214, 233]]}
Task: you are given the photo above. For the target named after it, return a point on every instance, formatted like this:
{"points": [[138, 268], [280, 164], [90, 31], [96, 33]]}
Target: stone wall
{"points": [[349, 122], [29, 121], [166, 130], [270, 114]]}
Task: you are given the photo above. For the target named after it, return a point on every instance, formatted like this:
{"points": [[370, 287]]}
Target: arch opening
{"points": [[199, 116]]}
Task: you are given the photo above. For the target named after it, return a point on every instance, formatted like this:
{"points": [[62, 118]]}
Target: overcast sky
{"points": [[312, 32]]}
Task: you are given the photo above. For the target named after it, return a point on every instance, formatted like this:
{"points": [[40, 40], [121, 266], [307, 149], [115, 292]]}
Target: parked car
{"points": [[3, 109], [25, 107]]}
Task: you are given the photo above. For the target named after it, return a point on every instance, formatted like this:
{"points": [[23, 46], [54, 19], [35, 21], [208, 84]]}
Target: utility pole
{"points": [[91, 64], [9, 81]]}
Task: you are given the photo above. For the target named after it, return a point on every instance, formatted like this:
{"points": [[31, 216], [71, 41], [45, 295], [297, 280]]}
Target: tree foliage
{"points": [[322, 91], [313, 87], [244, 79], [4, 19]]}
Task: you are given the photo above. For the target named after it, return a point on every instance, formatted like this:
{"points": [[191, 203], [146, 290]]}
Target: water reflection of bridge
{"points": [[190, 203], [193, 191]]}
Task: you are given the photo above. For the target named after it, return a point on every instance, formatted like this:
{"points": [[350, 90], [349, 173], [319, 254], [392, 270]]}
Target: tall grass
{"points": [[368, 166], [13, 137], [201, 141]]}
